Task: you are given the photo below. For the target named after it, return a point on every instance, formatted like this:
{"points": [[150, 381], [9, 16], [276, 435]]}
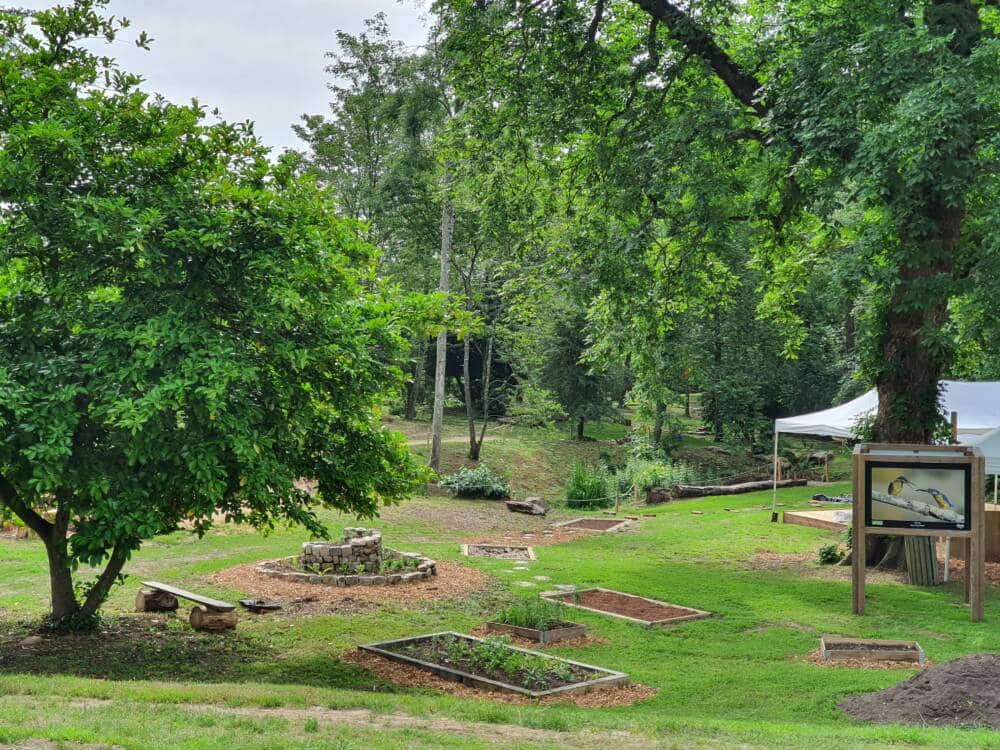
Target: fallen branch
{"points": [[924, 509], [690, 490]]}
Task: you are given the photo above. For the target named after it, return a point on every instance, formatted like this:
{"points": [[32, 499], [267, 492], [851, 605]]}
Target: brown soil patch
{"points": [[624, 604], [964, 692], [409, 676], [587, 640], [453, 581], [816, 659]]}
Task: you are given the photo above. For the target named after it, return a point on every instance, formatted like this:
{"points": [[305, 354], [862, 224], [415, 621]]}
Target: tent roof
{"points": [[989, 444], [977, 404]]}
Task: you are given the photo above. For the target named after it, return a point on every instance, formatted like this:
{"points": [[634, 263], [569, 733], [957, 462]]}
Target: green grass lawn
{"points": [[739, 679]]}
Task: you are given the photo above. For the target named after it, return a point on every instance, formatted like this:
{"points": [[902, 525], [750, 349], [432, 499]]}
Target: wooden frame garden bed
{"points": [[585, 677], [563, 632], [596, 524], [851, 649], [647, 612]]}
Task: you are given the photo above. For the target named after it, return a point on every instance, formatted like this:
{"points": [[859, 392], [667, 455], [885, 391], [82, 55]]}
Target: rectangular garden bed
{"points": [[561, 632], [849, 649], [496, 666], [499, 551], [639, 609], [596, 524]]}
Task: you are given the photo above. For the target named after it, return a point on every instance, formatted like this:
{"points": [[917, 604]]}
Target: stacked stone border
{"points": [[362, 548]]}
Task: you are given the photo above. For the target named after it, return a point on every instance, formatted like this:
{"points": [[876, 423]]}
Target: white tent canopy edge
{"points": [[977, 404]]}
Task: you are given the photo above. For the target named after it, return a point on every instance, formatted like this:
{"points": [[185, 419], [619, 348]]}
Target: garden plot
{"points": [[499, 551], [864, 649], [537, 620], [495, 665], [597, 524], [639, 609]]}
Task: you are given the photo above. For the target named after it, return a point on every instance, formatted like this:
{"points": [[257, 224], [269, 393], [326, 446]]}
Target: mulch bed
{"points": [[500, 551], [453, 581], [964, 693], [623, 604], [413, 677], [816, 659]]}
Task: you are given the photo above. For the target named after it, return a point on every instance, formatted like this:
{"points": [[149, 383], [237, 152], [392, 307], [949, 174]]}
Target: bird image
{"points": [[897, 484], [940, 498]]}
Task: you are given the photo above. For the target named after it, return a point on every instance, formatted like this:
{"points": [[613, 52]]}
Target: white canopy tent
{"points": [[976, 403]]}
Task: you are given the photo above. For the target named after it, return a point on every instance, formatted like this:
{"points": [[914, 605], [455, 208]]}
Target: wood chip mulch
{"points": [[535, 539], [453, 581], [816, 659], [407, 676], [587, 640]]}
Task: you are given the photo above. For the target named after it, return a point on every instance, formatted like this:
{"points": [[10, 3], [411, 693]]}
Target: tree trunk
{"points": [[467, 378], [687, 401], [447, 227], [579, 429], [64, 602], [661, 410], [416, 384]]}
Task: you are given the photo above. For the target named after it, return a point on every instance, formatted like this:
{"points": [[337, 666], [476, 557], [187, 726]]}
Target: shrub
{"points": [[588, 486], [477, 482], [830, 554], [646, 474]]}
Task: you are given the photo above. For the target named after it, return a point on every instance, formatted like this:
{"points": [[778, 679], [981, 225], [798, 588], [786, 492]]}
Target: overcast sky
{"points": [[259, 60]]}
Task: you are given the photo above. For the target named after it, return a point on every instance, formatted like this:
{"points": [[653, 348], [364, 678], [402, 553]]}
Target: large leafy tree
{"points": [[186, 328], [864, 130]]}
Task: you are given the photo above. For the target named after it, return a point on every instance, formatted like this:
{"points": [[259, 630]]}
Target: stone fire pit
{"points": [[360, 560]]}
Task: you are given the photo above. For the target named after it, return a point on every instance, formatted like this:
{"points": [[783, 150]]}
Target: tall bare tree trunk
{"points": [[476, 443], [447, 228], [417, 384]]}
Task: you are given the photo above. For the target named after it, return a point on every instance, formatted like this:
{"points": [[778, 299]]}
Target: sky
{"points": [[259, 60]]}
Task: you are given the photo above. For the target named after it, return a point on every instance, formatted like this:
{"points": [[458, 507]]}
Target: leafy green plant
{"points": [[478, 482], [589, 484], [535, 407], [539, 614], [830, 554]]}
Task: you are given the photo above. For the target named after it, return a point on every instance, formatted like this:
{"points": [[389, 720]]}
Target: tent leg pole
{"points": [[774, 480], [994, 489]]}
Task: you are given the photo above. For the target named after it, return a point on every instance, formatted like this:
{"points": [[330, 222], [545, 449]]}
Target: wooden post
{"points": [[858, 548], [954, 426], [618, 499], [977, 543]]}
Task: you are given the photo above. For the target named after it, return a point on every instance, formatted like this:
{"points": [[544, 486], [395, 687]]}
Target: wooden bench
{"points": [[209, 614]]}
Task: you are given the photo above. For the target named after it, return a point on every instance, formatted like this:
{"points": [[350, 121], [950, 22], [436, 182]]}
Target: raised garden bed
{"points": [[597, 524], [495, 665], [499, 551], [851, 649], [560, 632], [639, 609]]}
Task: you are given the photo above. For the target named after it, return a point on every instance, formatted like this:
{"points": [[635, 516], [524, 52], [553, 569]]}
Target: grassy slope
{"points": [[739, 678]]}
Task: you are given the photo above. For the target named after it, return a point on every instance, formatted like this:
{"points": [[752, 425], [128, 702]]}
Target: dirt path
{"points": [[501, 735], [426, 439]]}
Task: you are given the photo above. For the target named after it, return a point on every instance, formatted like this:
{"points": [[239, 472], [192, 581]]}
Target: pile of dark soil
{"points": [[964, 692]]}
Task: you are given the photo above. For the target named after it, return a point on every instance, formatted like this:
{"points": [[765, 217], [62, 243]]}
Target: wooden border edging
{"points": [[908, 651], [696, 614], [553, 635], [616, 527], [611, 678]]}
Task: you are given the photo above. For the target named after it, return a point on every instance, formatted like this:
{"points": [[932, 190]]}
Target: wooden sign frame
{"points": [[972, 538]]}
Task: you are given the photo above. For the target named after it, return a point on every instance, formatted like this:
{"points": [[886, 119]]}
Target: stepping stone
{"points": [[525, 584], [565, 587], [542, 578]]}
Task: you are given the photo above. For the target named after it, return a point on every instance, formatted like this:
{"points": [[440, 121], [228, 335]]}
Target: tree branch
{"points": [[99, 592], [10, 497], [682, 28], [924, 509]]}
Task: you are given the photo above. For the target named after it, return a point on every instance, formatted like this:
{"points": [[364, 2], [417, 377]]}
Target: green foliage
{"points": [[477, 482], [830, 554], [186, 327], [589, 486], [535, 407], [646, 474], [539, 614]]}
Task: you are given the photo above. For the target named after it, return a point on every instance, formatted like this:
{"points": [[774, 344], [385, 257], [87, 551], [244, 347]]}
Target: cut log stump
{"points": [[151, 600], [202, 618]]}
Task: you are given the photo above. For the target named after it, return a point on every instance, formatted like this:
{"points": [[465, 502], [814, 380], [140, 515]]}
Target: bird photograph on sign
{"points": [[910, 495]]}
